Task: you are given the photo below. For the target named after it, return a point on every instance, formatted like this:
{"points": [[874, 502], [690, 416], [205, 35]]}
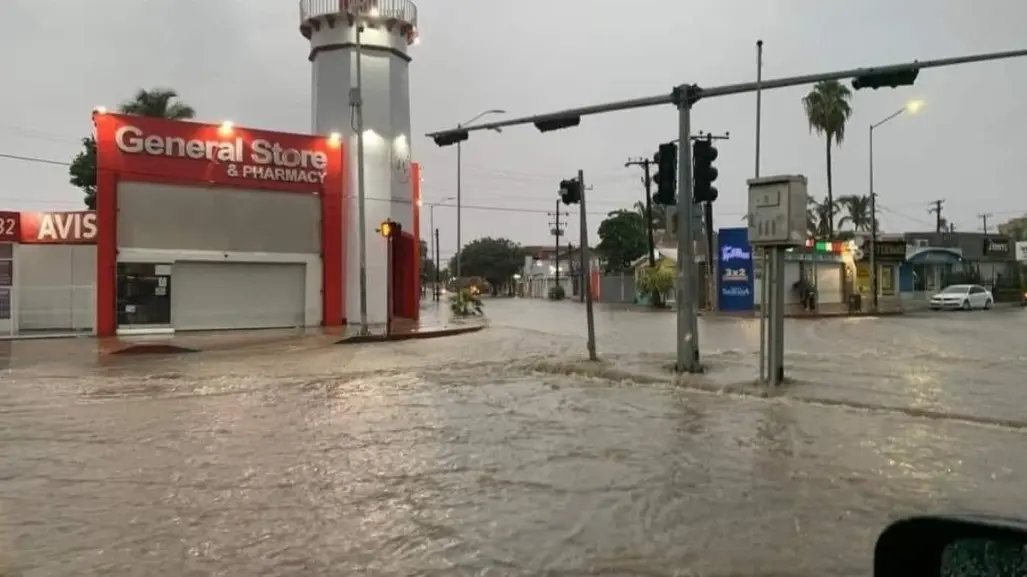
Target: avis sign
{"points": [[58, 227], [261, 159]]}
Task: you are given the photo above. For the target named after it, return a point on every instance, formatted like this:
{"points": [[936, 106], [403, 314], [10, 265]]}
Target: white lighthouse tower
{"points": [[377, 33]]}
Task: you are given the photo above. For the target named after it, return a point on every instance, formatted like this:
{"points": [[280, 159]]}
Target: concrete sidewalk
{"points": [[435, 322]]}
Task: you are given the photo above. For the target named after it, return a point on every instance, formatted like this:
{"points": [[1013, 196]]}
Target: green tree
{"points": [[818, 218], [496, 260], [157, 103], [827, 110], [622, 239], [657, 281]]}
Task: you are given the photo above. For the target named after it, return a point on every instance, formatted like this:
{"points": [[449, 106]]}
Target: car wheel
{"points": [[966, 305], [987, 304]]}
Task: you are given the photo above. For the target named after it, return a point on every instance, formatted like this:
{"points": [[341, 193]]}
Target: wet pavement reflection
{"points": [[497, 453]]}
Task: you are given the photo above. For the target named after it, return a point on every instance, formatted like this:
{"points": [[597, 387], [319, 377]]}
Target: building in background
{"points": [[539, 273], [935, 260]]}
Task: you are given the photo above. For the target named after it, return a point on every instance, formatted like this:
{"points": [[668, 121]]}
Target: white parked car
{"points": [[962, 296]]}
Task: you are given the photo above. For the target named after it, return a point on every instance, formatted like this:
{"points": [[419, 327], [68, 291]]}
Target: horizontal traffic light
{"points": [[893, 79], [450, 138], [557, 123]]}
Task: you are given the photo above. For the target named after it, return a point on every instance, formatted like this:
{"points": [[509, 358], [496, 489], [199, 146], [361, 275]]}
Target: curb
{"points": [[151, 349], [415, 335], [804, 316]]}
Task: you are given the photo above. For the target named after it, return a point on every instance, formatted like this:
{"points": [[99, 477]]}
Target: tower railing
{"points": [[388, 11]]}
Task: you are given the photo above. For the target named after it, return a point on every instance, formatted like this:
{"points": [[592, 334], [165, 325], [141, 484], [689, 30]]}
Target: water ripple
{"points": [[502, 453]]}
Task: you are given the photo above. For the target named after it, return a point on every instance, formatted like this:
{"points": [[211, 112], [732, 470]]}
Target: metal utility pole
{"points": [[438, 257], [687, 324], [356, 100], [984, 221], [586, 284], [683, 97], [936, 210], [763, 254], [759, 101], [436, 250], [557, 232], [645, 163]]}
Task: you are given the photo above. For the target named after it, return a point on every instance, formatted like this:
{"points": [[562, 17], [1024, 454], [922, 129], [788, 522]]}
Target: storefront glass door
{"points": [[6, 289], [144, 295]]}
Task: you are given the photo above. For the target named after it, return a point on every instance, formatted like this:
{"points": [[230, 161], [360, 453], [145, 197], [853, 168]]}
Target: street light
{"points": [[459, 182], [911, 107]]}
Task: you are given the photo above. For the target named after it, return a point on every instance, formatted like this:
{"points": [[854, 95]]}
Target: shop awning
{"points": [[935, 255]]}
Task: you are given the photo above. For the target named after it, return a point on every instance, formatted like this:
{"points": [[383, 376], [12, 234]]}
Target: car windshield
{"points": [[956, 289]]}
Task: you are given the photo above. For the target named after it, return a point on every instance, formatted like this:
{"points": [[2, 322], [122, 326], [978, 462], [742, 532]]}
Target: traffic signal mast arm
{"points": [[571, 116]]}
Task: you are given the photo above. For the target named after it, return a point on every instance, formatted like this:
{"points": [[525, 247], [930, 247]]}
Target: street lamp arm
{"points": [[481, 114], [895, 114]]}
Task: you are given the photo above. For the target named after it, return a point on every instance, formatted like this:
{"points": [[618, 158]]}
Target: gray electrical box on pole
{"points": [[777, 222]]}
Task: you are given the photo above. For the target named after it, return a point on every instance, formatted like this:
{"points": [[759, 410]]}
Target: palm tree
{"points": [[857, 208], [818, 217], [158, 103], [827, 110], [659, 214], [155, 103]]}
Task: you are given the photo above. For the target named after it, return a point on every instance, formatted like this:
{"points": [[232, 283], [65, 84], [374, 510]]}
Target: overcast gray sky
{"points": [[245, 60]]}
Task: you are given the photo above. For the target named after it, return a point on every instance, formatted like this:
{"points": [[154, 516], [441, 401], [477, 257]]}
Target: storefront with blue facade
{"points": [[926, 269]]}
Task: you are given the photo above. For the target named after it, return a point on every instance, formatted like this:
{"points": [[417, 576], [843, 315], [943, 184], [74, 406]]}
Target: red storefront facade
{"points": [[198, 227], [177, 196]]}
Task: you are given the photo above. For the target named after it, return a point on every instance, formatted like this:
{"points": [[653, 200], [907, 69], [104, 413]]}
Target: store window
{"points": [[144, 294]]}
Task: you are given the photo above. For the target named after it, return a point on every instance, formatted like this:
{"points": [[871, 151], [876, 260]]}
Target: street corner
{"points": [[413, 333]]}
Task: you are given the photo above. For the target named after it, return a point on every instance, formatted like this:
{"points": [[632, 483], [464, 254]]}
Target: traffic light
{"points": [[390, 228], [570, 191], [894, 79], [704, 173], [667, 176]]}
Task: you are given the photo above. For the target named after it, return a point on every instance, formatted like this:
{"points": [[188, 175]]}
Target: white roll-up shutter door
{"points": [[829, 282], [217, 295]]}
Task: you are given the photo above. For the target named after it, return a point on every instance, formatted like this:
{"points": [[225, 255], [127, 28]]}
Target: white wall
{"points": [[55, 287]]}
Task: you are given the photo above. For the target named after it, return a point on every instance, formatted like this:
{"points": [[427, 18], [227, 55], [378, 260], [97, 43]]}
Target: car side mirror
{"points": [[971, 546]]}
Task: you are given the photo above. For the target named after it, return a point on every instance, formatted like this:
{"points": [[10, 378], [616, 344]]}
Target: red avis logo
{"points": [[258, 159]]}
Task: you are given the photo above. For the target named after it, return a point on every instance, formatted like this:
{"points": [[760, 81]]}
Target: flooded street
{"points": [[499, 453]]}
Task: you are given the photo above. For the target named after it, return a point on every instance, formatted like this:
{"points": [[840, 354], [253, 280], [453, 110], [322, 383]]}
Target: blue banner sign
{"points": [[734, 270]]}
